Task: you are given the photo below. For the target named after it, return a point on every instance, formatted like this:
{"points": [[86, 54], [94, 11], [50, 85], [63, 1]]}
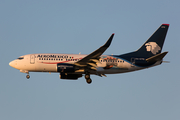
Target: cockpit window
{"points": [[20, 58]]}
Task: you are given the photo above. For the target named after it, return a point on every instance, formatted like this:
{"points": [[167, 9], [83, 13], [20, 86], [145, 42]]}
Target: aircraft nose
{"points": [[12, 63]]}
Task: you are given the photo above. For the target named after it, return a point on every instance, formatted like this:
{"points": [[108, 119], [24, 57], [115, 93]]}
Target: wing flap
{"points": [[93, 64], [93, 68], [94, 60]]}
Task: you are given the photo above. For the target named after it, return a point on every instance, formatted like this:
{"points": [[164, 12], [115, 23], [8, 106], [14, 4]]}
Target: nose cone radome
{"points": [[12, 64]]}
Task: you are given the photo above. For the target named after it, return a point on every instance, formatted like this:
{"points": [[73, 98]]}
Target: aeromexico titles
{"points": [[74, 66]]}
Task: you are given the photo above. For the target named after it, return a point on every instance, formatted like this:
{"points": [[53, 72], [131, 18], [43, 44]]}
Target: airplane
{"points": [[74, 66]]}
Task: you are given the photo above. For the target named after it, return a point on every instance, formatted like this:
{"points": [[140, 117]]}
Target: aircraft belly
{"points": [[111, 71]]}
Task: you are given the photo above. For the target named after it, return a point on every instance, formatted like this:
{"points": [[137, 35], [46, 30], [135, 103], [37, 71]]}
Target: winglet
{"points": [[107, 44]]}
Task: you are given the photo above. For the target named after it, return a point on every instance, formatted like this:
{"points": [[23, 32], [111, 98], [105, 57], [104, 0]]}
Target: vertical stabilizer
{"points": [[154, 44]]}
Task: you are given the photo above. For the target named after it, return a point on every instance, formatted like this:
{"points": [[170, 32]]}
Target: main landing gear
{"points": [[88, 79]]}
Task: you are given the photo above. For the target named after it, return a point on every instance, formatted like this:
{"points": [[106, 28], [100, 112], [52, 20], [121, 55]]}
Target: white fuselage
{"points": [[48, 63], [74, 66]]}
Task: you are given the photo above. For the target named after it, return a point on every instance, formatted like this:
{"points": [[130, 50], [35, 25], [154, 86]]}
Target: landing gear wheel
{"points": [[89, 81], [87, 76], [27, 76]]}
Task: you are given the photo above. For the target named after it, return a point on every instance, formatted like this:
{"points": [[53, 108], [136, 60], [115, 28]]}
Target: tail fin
{"points": [[154, 44]]}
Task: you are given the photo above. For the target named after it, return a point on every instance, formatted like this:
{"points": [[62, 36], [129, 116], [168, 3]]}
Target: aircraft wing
{"points": [[91, 60]]}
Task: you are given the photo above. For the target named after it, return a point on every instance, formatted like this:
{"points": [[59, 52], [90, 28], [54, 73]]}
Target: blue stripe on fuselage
{"points": [[138, 62]]}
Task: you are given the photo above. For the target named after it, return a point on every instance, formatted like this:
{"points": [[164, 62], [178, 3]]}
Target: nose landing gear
{"points": [[27, 72], [27, 76]]}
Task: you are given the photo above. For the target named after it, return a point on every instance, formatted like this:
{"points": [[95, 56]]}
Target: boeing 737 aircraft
{"points": [[74, 66]]}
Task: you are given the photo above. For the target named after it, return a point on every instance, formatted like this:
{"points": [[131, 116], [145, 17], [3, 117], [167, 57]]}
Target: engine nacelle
{"points": [[65, 68], [70, 76]]}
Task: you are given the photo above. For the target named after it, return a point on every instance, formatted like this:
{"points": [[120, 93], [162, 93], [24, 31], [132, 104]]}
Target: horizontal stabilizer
{"points": [[157, 57], [166, 61]]}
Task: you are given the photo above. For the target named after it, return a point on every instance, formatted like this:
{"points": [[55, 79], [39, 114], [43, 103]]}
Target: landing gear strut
{"points": [[88, 79]]}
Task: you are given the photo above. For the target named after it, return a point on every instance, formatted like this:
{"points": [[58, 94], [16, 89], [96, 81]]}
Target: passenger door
{"points": [[32, 59]]}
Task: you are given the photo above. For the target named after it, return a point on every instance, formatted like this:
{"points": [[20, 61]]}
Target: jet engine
{"points": [[70, 76]]}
